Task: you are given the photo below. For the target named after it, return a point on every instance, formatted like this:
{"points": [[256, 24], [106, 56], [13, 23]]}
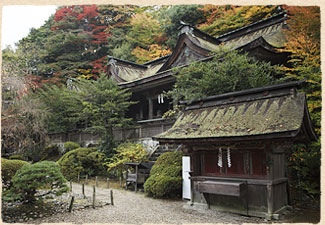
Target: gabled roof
{"points": [[271, 112], [260, 39]]}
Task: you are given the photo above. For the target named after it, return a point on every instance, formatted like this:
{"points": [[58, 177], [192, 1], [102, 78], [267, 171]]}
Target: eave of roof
{"points": [[184, 36], [127, 62], [272, 112], [251, 92], [156, 60], [253, 27]]}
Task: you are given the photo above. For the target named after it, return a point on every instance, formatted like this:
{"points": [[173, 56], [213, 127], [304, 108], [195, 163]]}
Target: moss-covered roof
{"points": [[249, 118], [272, 34], [271, 30]]}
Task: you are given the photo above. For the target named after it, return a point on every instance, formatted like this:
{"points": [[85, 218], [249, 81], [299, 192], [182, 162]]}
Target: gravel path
{"points": [[136, 208]]}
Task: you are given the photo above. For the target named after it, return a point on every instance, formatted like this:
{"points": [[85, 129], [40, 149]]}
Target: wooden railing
{"points": [[143, 129]]}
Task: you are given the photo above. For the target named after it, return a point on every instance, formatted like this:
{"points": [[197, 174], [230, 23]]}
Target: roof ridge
{"points": [[284, 14], [154, 60], [247, 91], [126, 61]]}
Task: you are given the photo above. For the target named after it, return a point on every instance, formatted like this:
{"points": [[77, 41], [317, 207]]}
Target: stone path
{"points": [[136, 208]]}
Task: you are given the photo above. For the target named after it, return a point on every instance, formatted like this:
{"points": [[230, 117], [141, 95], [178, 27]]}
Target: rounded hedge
{"points": [[18, 157], [50, 153], [82, 161], [69, 145], [34, 182], [165, 179], [9, 169]]}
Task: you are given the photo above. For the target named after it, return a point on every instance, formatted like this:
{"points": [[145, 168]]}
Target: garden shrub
{"points": [[165, 179], [82, 161], [18, 157], [69, 145], [126, 152], [34, 182], [50, 153], [9, 169], [304, 170]]}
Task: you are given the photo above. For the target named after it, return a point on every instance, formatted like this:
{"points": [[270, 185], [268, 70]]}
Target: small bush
{"points": [[82, 161], [126, 152], [165, 179], [9, 169], [163, 186], [18, 157], [68, 146], [50, 153], [34, 182]]}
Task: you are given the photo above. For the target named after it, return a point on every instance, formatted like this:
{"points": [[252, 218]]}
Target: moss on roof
{"points": [[258, 117], [272, 34]]}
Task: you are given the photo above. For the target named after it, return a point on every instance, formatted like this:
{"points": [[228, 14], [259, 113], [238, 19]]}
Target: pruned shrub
{"points": [[126, 152], [18, 157], [69, 145], [34, 182], [82, 161], [50, 153], [165, 179], [9, 169]]}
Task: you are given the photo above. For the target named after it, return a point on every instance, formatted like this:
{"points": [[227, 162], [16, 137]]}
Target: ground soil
{"points": [[136, 208]]}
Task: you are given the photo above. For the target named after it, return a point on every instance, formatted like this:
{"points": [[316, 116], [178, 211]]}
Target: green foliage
{"points": [[64, 106], [165, 179], [169, 158], [126, 152], [304, 169], [9, 169], [104, 107], [50, 153], [18, 157], [82, 161], [95, 106], [171, 17], [36, 181], [303, 42], [304, 64], [163, 186], [228, 71], [222, 19], [69, 145]]}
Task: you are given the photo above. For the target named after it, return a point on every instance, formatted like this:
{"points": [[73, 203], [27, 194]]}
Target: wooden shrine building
{"points": [[150, 80], [237, 143]]}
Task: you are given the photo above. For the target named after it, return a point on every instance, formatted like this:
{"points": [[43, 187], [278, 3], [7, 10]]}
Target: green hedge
{"points": [[30, 178], [17, 157], [69, 145], [50, 153], [165, 179], [83, 161], [9, 169]]}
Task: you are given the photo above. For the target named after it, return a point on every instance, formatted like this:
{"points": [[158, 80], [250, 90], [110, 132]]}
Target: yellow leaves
{"points": [[312, 81], [83, 71], [314, 94], [155, 51], [88, 76], [85, 74]]}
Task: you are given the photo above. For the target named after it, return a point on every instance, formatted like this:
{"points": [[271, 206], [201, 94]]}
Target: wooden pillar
{"points": [[269, 199], [126, 178], [136, 179], [150, 109], [141, 113], [94, 196]]}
